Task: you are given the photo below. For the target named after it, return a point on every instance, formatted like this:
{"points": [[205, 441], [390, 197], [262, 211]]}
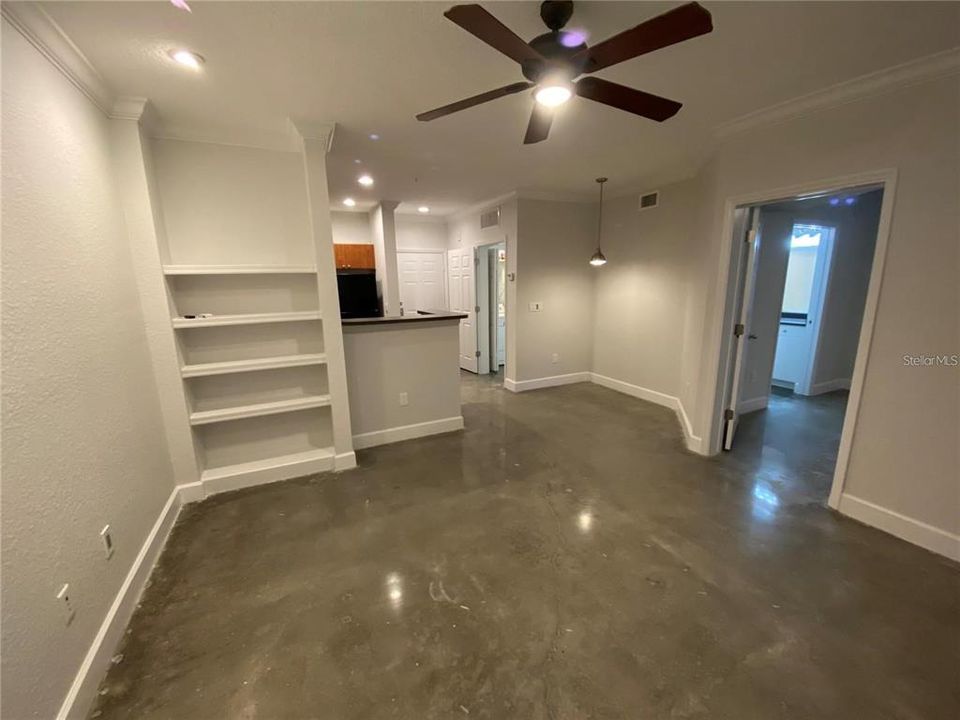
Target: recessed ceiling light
{"points": [[349, 202], [365, 180], [374, 136], [357, 161], [187, 58], [423, 209]]}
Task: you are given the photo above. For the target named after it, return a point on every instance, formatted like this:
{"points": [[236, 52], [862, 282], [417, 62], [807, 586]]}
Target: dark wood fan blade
{"points": [[541, 118], [475, 100], [682, 23], [625, 98], [478, 22]]}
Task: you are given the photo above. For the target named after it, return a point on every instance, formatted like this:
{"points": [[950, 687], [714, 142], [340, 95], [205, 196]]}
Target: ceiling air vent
{"points": [[650, 200], [491, 218]]}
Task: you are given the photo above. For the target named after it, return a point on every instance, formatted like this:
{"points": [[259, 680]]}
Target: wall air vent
{"points": [[491, 218], [649, 200]]}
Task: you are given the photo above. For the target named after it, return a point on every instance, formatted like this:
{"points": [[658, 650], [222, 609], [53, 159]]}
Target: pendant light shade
{"points": [[598, 258]]}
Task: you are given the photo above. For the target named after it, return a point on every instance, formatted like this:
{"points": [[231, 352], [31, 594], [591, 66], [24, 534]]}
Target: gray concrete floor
{"points": [[564, 557]]}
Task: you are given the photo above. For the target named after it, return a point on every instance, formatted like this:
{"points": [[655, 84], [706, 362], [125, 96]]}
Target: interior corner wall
{"points": [[83, 436], [913, 130], [554, 243], [641, 293], [350, 228]]}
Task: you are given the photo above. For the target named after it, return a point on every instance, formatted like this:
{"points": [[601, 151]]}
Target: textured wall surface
{"points": [[83, 443]]}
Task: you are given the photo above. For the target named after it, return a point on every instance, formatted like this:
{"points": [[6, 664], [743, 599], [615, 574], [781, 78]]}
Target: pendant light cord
{"points": [[601, 181]]}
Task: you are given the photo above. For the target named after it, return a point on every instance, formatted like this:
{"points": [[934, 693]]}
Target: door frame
{"points": [[822, 282], [719, 340], [484, 303]]}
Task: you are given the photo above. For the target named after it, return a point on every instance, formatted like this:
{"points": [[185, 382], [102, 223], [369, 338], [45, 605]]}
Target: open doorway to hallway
{"points": [[804, 268], [492, 301]]}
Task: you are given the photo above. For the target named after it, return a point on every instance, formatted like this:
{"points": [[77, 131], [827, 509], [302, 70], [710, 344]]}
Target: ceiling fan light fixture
{"points": [[553, 94]]}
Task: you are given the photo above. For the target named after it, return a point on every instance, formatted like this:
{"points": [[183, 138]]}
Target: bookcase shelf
{"points": [[237, 366], [181, 323], [239, 269]]}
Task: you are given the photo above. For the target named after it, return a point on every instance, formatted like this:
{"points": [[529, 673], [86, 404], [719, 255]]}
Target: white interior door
{"points": [[746, 280], [463, 299], [421, 281]]}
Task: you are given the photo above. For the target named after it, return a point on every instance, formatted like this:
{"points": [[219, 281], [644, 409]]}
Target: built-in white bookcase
{"points": [[241, 275]]}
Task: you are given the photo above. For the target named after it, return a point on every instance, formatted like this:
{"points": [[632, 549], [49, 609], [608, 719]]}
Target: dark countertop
{"points": [[412, 318]]}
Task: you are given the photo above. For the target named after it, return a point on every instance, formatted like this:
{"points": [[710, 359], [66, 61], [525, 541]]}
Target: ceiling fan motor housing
{"points": [[556, 13]]}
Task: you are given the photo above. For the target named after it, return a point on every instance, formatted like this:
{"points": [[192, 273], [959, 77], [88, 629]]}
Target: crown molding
{"points": [[128, 108], [551, 196], [923, 69], [312, 130], [41, 31]]}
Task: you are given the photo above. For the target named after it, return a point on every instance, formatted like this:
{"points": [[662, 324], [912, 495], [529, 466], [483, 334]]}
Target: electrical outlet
{"points": [[404, 400], [63, 597], [555, 358], [535, 306], [107, 539]]}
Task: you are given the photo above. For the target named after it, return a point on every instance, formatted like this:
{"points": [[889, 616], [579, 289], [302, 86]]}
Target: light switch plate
{"points": [[535, 306]]}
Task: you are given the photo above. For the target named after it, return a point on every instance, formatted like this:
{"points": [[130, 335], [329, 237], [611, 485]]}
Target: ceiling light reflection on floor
{"points": [[585, 521], [394, 585], [765, 502]]}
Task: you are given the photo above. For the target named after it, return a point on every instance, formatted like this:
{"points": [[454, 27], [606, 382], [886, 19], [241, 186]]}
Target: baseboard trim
{"points": [[407, 432], [83, 691], [906, 528], [753, 404], [545, 382], [830, 386], [345, 461], [693, 442]]}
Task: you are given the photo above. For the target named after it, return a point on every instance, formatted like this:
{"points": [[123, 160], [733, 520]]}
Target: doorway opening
{"points": [[802, 270], [492, 304]]}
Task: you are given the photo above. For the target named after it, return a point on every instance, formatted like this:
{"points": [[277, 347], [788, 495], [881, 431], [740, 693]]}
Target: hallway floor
{"points": [[564, 557]]}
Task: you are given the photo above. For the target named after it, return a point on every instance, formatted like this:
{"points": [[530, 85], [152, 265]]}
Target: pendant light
{"points": [[598, 258]]}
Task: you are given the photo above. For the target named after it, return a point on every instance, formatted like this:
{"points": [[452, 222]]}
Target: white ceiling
{"points": [[370, 67]]}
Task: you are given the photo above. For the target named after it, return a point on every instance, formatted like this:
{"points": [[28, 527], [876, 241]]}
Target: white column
{"points": [[315, 140], [141, 213], [383, 228]]}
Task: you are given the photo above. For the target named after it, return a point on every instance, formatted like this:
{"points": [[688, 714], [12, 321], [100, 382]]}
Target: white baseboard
{"points": [[95, 664], [693, 442], [753, 404], [545, 382], [345, 461], [830, 386], [407, 432], [913, 531]]}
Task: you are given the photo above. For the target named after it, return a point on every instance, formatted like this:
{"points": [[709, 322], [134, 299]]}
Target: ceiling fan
{"points": [[552, 62]]}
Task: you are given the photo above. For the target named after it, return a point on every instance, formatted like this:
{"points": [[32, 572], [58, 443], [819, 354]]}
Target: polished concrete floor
{"points": [[562, 558]]}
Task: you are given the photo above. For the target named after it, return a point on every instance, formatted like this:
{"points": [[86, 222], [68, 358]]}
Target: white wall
{"points": [[83, 439], [847, 292], [641, 293], [351, 228], [554, 243], [909, 417], [248, 195], [420, 233], [417, 358]]}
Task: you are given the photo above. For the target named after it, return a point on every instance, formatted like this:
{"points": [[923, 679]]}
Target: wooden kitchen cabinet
{"points": [[354, 255]]}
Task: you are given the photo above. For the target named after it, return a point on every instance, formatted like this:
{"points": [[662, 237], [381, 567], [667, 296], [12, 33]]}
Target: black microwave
{"points": [[357, 289]]}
